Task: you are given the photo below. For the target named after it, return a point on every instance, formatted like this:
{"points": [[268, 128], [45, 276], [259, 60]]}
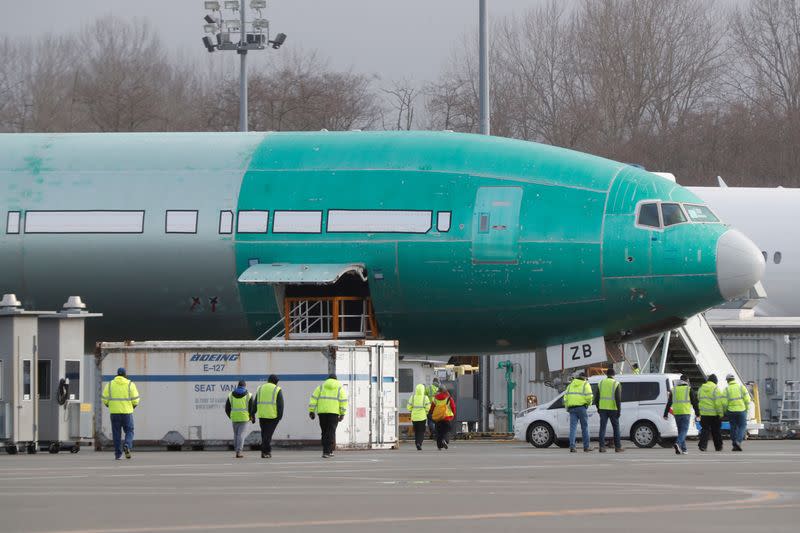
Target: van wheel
{"points": [[540, 434], [644, 434]]}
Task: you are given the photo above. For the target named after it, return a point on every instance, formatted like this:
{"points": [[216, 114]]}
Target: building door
{"points": [[495, 225]]}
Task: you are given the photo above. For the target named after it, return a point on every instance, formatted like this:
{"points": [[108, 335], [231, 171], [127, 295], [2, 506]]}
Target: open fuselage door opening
{"points": [[318, 301]]}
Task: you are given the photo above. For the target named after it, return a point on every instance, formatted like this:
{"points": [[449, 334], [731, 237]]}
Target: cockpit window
{"points": [[700, 213], [648, 215], [673, 214]]}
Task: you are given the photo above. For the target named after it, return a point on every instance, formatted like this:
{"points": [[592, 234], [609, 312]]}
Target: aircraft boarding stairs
{"points": [[692, 349], [329, 317]]}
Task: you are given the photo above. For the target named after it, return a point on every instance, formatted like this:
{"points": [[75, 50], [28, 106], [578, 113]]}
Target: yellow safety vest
{"points": [[637, 371], [120, 396], [267, 401], [579, 392], [709, 400], [240, 411], [681, 400], [419, 404], [329, 398], [608, 399], [737, 398]]}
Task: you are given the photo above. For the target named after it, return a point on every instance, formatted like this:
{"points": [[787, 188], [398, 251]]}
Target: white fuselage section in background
{"points": [[771, 218]]}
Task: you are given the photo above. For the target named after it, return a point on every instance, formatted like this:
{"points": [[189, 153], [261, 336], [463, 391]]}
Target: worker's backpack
{"points": [[441, 410]]}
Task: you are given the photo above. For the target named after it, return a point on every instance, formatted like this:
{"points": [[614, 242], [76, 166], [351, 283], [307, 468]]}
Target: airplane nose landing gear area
{"points": [[740, 264]]}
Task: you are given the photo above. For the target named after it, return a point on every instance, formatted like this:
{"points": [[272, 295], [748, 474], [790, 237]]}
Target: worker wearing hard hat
{"points": [[737, 402], [419, 404], [577, 398], [329, 401], [121, 397], [268, 407], [710, 405], [609, 404]]}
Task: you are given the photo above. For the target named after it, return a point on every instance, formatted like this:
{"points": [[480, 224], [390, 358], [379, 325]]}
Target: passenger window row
{"points": [[248, 221]]}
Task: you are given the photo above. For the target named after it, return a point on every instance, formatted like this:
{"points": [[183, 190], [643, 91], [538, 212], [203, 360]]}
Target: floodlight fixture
{"points": [[260, 23], [212, 6], [278, 41], [208, 43], [233, 5], [258, 4], [210, 19], [233, 25], [210, 28]]}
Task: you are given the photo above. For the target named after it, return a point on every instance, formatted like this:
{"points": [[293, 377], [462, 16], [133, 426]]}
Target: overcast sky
{"points": [[392, 38]]}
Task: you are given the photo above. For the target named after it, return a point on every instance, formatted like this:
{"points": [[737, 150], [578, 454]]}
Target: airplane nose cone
{"points": [[740, 264]]}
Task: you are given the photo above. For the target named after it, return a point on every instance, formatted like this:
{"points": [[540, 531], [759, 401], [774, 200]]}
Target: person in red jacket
{"points": [[443, 411]]}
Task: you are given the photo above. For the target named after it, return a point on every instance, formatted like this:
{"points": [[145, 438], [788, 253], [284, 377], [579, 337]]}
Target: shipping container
{"points": [[184, 385]]}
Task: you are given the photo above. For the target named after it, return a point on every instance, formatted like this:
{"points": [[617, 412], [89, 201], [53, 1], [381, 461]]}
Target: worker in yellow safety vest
{"points": [[419, 404], [269, 411], [121, 397], [329, 401], [577, 398], [737, 402], [431, 391], [710, 406], [681, 400], [609, 405], [636, 368], [239, 409]]}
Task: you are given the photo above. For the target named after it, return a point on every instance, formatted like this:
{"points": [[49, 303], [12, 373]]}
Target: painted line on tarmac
{"points": [[46, 478], [755, 499]]}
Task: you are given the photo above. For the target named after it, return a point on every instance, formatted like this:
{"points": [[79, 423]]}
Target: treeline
{"points": [[678, 85]]}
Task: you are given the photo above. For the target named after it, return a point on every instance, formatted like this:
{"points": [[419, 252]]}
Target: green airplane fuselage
{"points": [[526, 245]]}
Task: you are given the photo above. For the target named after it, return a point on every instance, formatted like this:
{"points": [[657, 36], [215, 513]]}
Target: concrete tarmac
{"points": [[474, 486]]}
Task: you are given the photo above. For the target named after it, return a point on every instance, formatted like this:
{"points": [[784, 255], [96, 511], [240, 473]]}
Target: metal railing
{"points": [[335, 317]]}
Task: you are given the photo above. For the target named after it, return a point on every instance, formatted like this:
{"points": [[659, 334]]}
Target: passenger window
{"points": [[777, 258], [484, 223], [648, 391], [630, 392], [648, 216], [673, 214], [700, 213]]}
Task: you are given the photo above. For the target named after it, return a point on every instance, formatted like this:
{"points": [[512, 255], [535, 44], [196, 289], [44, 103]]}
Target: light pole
{"points": [[484, 67], [257, 39]]}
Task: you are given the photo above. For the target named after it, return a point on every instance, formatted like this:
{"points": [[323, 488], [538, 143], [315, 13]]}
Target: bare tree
{"points": [[401, 96]]}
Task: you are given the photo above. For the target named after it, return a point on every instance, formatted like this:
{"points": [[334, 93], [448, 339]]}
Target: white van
{"points": [[644, 397]]}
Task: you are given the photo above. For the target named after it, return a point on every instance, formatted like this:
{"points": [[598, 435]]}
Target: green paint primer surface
{"points": [[529, 258]]}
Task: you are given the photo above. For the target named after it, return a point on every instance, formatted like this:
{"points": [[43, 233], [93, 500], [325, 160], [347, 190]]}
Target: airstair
{"points": [[329, 317], [790, 405]]}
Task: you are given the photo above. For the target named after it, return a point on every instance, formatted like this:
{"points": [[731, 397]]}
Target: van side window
{"points": [[648, 216], [648, 391], [630, 392]]}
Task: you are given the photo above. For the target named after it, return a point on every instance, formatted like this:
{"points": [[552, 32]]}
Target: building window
{"points": [[406, 380], [12, 222], [26, 379], [777, 257], [181, 221], [226, 222], [253, 221], [43, 379]]}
